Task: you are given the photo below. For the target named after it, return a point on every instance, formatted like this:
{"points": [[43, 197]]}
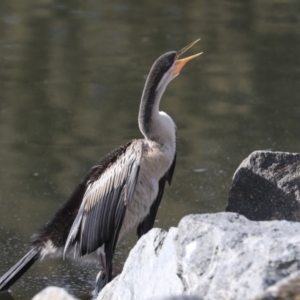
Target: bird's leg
{"points": [[105, 275], [102, 264], [102, 260], [100, 283], [109, 249], [101, 276]]}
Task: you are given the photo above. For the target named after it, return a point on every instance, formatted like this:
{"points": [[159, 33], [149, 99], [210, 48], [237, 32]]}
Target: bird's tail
{"points": [[12, 275]]}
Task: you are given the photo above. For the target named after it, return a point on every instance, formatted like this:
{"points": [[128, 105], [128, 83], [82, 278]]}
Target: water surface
{"points": [[71, 77]]}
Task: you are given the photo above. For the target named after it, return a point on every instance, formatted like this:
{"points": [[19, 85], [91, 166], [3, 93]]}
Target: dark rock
{"points": [[266, 186]]}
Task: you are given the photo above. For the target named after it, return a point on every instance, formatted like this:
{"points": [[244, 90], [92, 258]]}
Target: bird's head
{"points": [[179, 63], [164, 69], [169, 65]]}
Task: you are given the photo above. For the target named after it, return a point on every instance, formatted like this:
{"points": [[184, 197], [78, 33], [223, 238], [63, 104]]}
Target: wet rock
{"points": [[211, 256], [266, 186], [53, 293]]}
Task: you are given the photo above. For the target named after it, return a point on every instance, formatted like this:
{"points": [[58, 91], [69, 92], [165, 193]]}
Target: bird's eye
{"points": [[172, 58]]}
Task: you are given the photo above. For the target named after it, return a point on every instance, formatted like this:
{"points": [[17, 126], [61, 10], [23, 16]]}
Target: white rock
{"points": [[211, 256], [53, 293], [149, 271]]}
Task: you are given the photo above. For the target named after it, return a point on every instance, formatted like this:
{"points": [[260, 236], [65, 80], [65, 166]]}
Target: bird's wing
{"points": [[110, 188], [149, 220]]}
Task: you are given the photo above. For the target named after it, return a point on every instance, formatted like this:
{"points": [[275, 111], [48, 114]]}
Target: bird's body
{"points": [[121, 192], [156, 160]]}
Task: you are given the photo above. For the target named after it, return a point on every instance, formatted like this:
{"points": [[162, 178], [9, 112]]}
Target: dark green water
{"points": [[71, 77]]}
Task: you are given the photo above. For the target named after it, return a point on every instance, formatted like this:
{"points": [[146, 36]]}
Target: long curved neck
{"points": [[149, 116]]}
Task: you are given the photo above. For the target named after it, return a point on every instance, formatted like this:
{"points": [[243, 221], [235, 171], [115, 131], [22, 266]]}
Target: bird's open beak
{"points": [[179, 63]]}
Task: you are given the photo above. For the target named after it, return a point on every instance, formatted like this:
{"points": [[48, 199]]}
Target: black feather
{"points": [[13, 274], [57, 230], [100, 216], [94, 236]]}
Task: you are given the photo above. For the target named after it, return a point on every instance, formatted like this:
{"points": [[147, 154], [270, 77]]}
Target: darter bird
{"points": [[121, 192]]}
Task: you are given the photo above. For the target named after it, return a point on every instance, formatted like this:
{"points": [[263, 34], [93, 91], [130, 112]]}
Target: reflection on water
{"points": [[71, 78]]}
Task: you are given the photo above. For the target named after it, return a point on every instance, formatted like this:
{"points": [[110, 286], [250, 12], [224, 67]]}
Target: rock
{"points": [[53, 293], [266, 186], [182, 297], [211, 256], [150, 270], [285, 289]]}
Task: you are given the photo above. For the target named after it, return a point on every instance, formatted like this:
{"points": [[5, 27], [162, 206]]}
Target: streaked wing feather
{"points": [[104, 202]]}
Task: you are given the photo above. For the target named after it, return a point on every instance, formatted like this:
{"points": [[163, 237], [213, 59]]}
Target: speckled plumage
{"points": [[122, 192]]}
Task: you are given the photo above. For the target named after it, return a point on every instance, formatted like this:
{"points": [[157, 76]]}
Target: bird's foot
{"points": [[101, 280], [100, 283]]}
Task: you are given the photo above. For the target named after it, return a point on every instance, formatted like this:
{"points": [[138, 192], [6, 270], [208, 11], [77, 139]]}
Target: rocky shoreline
{"points": [[251, 251]]}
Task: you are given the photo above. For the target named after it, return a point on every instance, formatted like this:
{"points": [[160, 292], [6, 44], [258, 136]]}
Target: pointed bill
{"points": [[180, 52], [179, 64]]}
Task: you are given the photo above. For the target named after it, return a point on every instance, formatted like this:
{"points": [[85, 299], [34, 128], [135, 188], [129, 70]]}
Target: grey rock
{"points": [[211, 256], [266, 186], [53, 293]]}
